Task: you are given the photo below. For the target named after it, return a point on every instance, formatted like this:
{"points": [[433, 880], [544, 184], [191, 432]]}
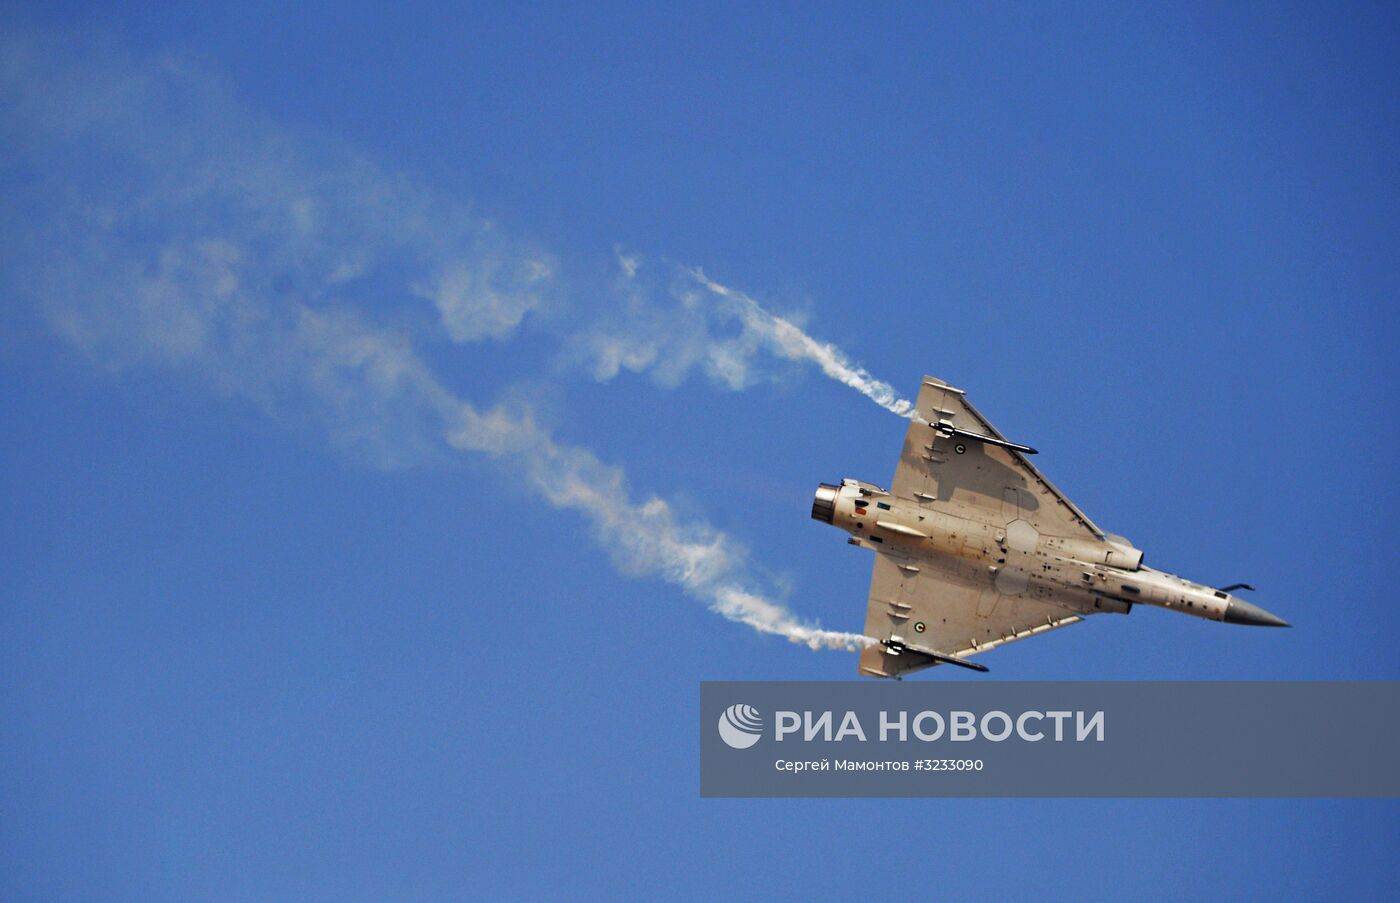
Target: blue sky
{"points": [[351, 353]]}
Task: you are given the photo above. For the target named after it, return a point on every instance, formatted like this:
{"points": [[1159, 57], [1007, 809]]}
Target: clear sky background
{"points": [[273, 625]]}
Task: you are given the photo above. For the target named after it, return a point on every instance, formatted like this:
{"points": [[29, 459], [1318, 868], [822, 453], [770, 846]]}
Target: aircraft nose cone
{"points": [[1242, 612]]}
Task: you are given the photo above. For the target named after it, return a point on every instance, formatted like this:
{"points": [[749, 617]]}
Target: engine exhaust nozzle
{"points": [[824, 504]]}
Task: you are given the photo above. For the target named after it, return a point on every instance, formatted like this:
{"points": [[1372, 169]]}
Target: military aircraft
{"points": [[974, 548]]}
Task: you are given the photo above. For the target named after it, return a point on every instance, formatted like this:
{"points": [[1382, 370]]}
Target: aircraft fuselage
{"points": [[1077, 573]]}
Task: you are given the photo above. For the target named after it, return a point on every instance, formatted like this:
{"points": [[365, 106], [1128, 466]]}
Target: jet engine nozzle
{"points": [[824, 505]]}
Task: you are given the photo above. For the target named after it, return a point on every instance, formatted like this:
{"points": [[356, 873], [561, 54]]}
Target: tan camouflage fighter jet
{"points": [[974, 548]]}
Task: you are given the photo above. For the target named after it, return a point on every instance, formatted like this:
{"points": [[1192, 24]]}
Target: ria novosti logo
{"points": [[740, 726]]}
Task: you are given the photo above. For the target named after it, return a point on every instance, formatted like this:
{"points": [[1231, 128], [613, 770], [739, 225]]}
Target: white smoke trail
{"points": [[670, 332], [373, 370], [643, 537], [228, 251], [788, 341]]}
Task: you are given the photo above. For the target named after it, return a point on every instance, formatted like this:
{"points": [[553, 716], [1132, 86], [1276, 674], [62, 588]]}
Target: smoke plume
{"points": [[787, 341], [171, 228]]}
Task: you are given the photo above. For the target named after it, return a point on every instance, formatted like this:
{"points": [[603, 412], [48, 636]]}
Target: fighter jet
{"points": [[974, 548]]}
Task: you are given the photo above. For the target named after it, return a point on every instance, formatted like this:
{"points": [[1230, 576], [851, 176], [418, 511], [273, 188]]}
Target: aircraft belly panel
{"points": [[958, 607]]}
